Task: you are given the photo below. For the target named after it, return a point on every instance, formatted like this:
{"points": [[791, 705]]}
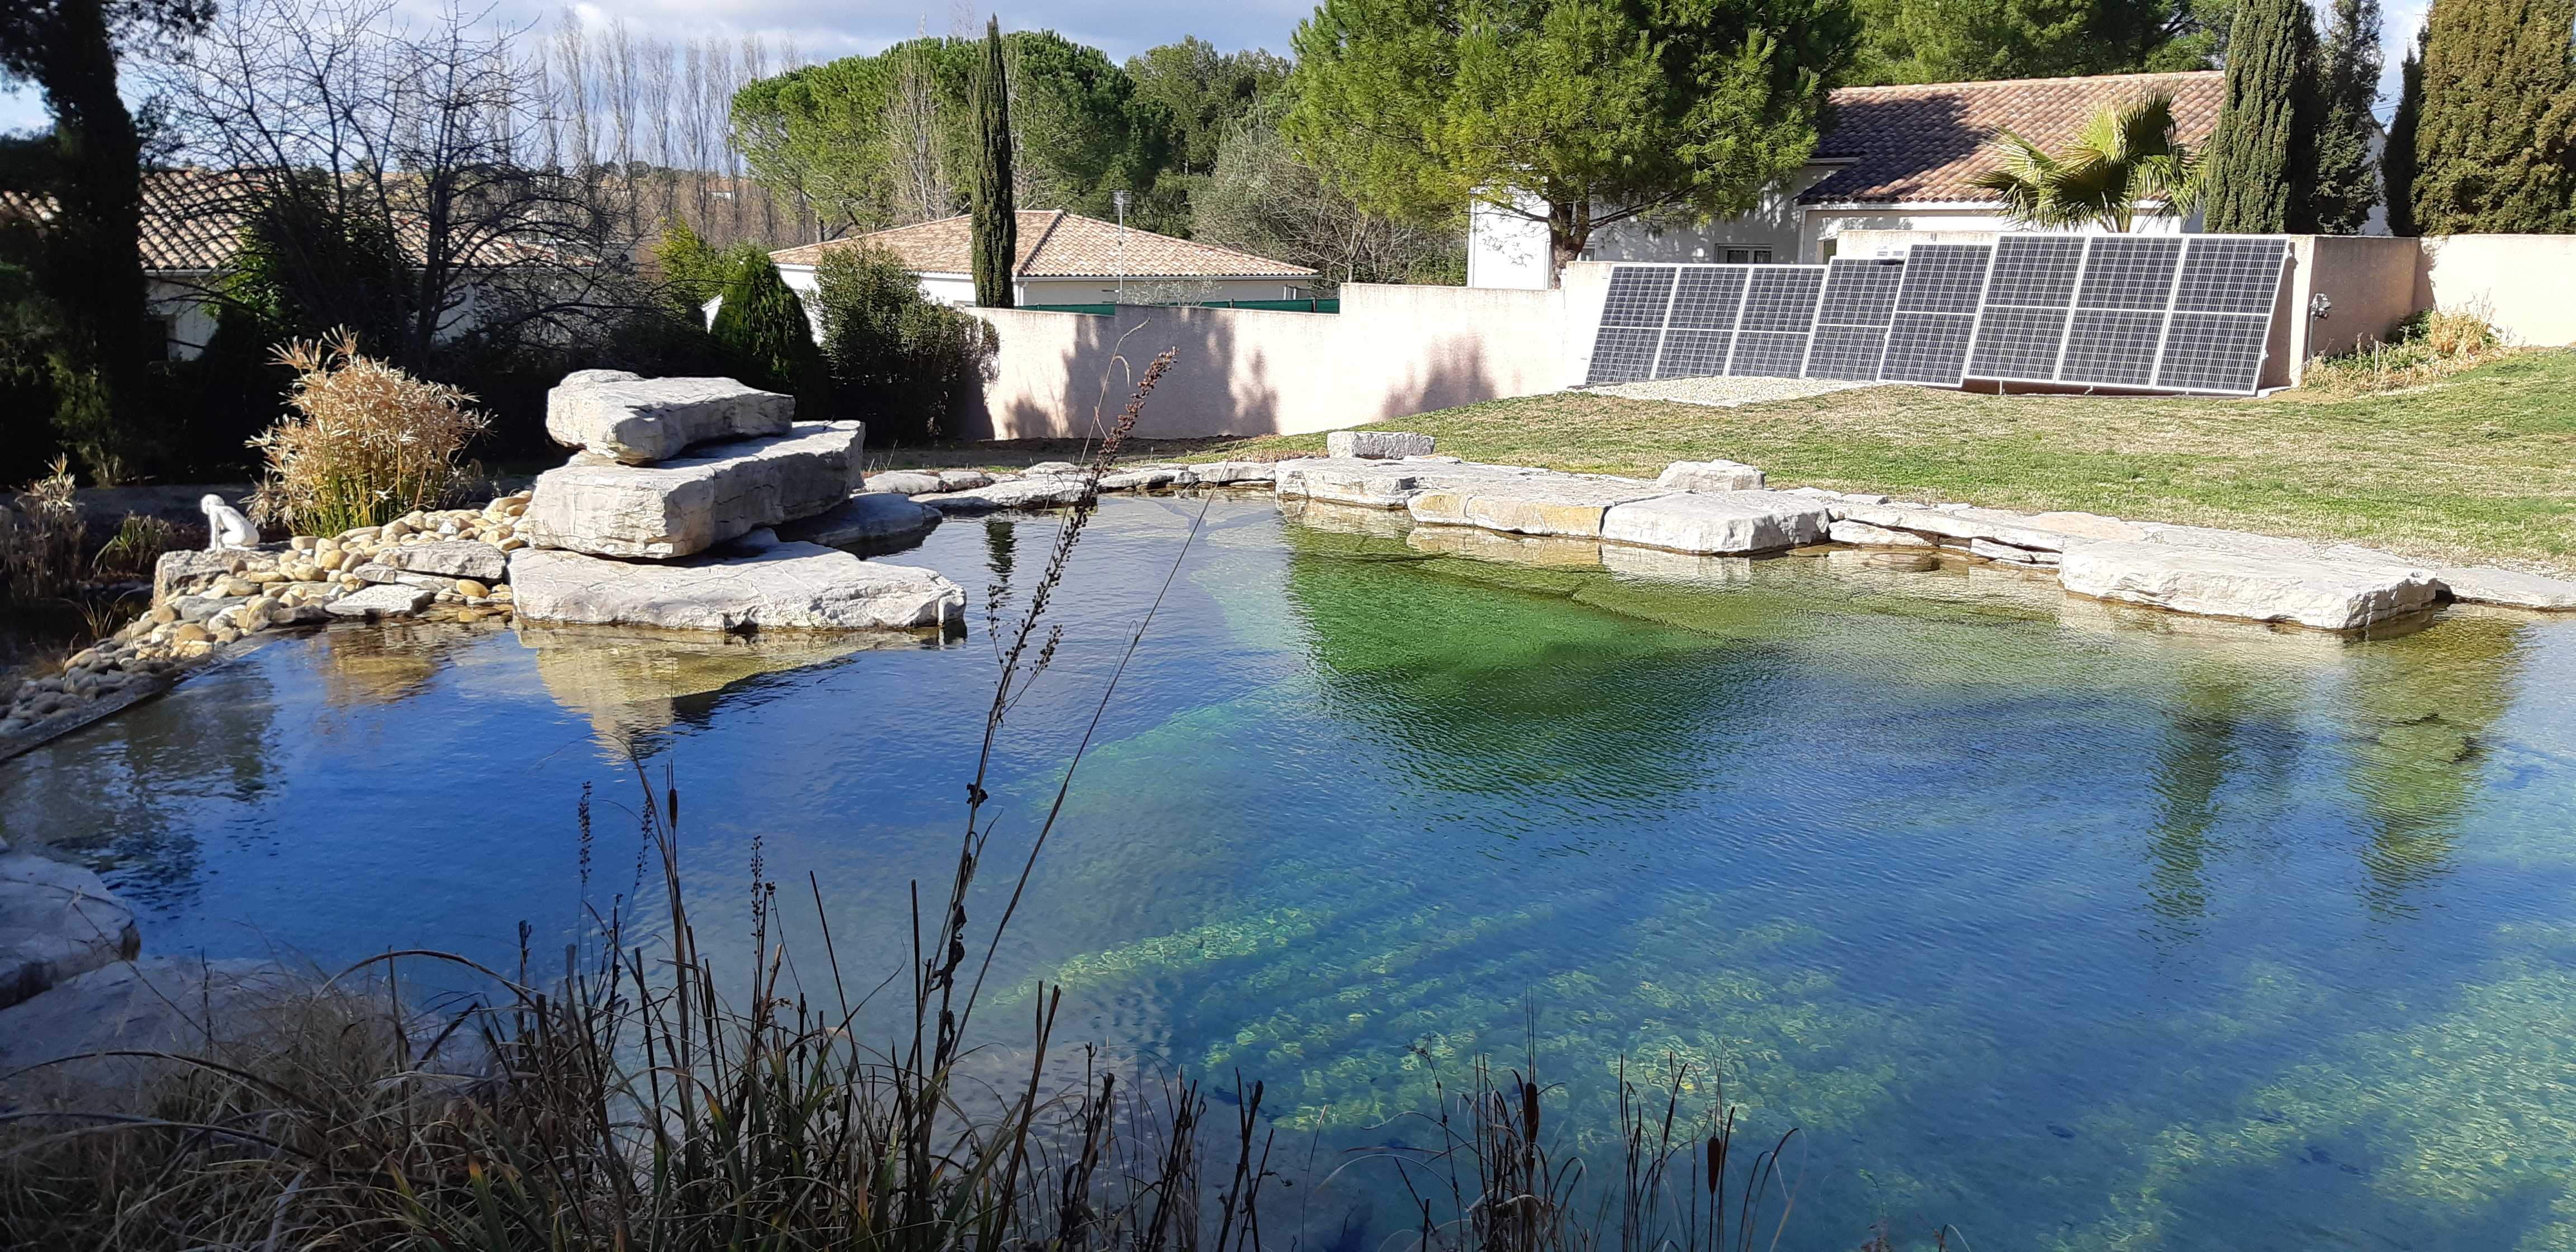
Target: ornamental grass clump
{"points": [[40, 539], [364, 444]]}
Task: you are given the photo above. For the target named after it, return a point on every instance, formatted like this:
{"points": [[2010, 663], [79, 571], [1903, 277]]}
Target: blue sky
{"points": [[822, 29]]}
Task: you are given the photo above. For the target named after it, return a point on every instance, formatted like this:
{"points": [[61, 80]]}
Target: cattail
{"points": [[1529, 1111]]}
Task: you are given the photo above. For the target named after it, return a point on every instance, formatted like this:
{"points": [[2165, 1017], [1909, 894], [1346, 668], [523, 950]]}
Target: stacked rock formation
{"points": [[667, 516]]}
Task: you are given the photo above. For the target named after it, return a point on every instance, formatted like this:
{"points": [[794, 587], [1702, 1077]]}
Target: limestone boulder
{"points": [[689, 504], [382, 600], [179, 573], [1718, 523], [864, 518], [1710, 476], [905, 482], [57, 921], [1226, 473], [793, 586], [1017, 493], [2264, 587], [1962, 525], [2483, 584], [1377, 444], [640, 421], [452, 558], [1862, 534], [1147, 478]]}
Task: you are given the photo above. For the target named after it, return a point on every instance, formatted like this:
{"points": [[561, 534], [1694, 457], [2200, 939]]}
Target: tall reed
{"points": [[364, 442]]}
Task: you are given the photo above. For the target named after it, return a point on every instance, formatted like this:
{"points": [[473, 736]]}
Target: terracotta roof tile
{"points": [[192, 222], [1926, 142], [1054, 243]]}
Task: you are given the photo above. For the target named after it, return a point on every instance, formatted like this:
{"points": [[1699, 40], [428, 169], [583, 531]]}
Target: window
{"points": [[1748, 256]]}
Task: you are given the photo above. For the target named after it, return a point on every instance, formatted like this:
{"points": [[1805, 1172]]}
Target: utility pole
{"points": [[1119, 198]]}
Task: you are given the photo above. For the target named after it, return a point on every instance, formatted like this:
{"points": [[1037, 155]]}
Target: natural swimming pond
{"points": [[2068, 925]]}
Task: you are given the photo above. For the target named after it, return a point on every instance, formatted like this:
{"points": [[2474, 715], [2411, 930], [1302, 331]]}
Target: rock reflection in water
{"points": [[632, 684]]}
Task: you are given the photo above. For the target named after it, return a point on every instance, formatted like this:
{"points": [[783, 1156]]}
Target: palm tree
{"points": [[2124, 158]]}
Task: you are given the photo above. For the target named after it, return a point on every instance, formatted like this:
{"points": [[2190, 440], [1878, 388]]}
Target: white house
{"points": [[1894, 158], [1066, 258]]}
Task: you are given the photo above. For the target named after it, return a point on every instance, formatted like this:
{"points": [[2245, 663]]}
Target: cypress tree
{"points": [[2397, 160], [996, 228], [2492, 147], [762, 328], [2262, 160], [2348, 82]]}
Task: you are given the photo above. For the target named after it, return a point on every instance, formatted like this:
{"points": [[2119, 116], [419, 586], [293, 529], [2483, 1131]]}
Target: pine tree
{"points": [[2492, 145], [2397, 160], [2348, 82], [996, 228], [762, 328], [2262, 166]]}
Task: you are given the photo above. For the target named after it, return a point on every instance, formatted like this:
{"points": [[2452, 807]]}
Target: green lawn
{"points": [[2481, 464]]}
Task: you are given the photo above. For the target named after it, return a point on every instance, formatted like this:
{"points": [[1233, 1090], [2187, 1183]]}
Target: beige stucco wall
{"points": [[1391, 351], [2524, 284]]}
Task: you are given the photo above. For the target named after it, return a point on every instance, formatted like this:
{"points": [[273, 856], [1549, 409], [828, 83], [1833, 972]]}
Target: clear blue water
{"points": [[2067, 926]]}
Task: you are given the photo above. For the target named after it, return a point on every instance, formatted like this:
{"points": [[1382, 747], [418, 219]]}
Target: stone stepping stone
{"points": [[1017, 493], [1710, 476], [685, 506], [382, 600], [2485, 584], [638, 421], [57, 921], [2264, 587], [793, 586], [1723, 523]]}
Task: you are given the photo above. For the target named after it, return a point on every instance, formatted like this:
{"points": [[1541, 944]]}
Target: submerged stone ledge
{"points": [[788, 587]]}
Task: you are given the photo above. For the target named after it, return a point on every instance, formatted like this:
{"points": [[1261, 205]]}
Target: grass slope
{"points": [[2480, 466]]}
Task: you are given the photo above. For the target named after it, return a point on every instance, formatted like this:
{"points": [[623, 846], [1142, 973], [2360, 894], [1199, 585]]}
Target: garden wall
{"points": [[1391, 351], [2524, 284]]}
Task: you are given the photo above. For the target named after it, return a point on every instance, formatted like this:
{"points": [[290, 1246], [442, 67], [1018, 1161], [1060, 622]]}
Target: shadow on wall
{"points": [[1235, 371]]}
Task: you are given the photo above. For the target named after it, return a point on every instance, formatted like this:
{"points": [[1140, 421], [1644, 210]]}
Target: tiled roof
{"points": [[1054, 243], [1927, 142], [185, 224], [192, 221]]}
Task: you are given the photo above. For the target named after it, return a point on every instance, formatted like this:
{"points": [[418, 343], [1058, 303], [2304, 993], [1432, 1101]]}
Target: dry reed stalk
{"points": [[365, 442]]}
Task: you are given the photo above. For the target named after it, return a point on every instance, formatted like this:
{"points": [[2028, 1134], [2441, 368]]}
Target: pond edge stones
{"points": [[57, 921], [788, 586], [2324, 594]]}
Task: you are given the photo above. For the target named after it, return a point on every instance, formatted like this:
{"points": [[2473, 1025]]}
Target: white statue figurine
{"points": [[225, 526]]}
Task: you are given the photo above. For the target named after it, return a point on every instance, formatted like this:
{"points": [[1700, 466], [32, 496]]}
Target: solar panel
{"points": [[1779, 316], [1852, 316], [1944, 278], [2023, 326], [1693, 353], [2224, 301], [2129, 272], [2181, 313], [1936, 308], [1632, 324], [1927, 348], [1708, 297]]}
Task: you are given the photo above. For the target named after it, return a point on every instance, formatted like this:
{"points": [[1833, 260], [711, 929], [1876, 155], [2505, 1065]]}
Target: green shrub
{"points": [[895, 358], [763, 329]]}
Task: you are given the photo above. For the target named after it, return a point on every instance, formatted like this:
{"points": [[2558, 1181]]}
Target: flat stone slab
{"points": [[1862, 534], [2484, 584], [1226, 473], [1377, 444], [793, 586], [57, 921], [1533, 504], [453, 558], [695, 502], [638, 421], [2262, 587], [382, 600], [903, 483], [1962, 525], [861, 518], [1018, 493], [1710, 476], [1718, 523]]}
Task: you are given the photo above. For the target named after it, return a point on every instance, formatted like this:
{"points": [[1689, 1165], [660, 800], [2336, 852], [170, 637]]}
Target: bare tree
{"points": [[658, 85], [922, 189], [572, 68], [389, 172]]}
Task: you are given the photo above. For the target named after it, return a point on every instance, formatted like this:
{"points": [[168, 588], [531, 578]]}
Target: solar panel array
{"points": [[2163, 312]]}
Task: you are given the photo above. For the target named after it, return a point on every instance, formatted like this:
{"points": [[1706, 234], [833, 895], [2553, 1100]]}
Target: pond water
{"points": [[2065, 925]]}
